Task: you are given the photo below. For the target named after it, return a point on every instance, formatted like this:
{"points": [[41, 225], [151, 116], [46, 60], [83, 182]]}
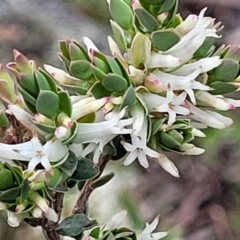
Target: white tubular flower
{"points": [[209, 118], [61, 76], [138, 114], [86, 106], [217, 102], [156, 60], [116, 220], [204, 64], [190, 149], [137, 76], [147, 234], [34, 152], [42, 204], [91, 47], [87, 132], [14, 219], [193, 38], [186, 83]]}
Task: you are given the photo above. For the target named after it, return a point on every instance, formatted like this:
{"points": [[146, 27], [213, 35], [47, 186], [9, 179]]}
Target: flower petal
{"points": [[167, 165]]}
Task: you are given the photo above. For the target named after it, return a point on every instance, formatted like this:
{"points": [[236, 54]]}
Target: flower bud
{"points": [[40, 118], [154, 84], [137, 76], [62, 133]]}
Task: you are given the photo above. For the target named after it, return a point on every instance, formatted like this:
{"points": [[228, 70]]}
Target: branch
{"points": [[81, 206]]}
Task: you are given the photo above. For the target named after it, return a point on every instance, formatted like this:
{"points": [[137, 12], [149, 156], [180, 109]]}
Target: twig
{"points": [[81, 206]]}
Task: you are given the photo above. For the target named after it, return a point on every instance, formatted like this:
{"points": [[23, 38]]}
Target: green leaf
{"points": [[85, 55], [64, 49], [65, 103], [129, 97], [3, 119], [27, 97], [24, 190], [118, 35], [85, 170], [102, 180], [28, 83], [99, 91], [16, 171], [77, 53], [154, 2], [114, 83], [9, 195], [167, 6], [163, 40], [50, 80], [146, 20], [168, 141], [55, 179], [175, 135], [156, 125], [100, 61], [98, 73], [115, 68], [171, 15], [74, 225], [95, 232], [222, 88], [42, 81], [48, 103], [6, 179], [81, 69], [121, 13], [204, 48], [45, 128], [70, 165], [226, 72]]}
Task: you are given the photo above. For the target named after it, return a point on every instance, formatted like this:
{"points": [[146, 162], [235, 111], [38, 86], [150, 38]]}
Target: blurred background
{"points": [[204, 204]]}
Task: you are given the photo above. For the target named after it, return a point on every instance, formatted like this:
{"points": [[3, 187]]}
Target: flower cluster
{"points": [[163, 83]]}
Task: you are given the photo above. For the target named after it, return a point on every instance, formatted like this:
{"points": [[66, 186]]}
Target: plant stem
{"points": [[87, 190]]}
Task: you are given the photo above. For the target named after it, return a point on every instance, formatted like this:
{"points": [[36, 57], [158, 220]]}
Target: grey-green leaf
{"points": [[147, 21], [163, 40], [115, 83], [121, 13], [48, 103], [74, 225]]}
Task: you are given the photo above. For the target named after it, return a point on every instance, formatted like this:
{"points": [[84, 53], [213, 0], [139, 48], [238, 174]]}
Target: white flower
{"points": [[138, 149], [216, 101], [209, 118], [204, 64], [34, 152], [193, 38], [116, 220], [87, 132], [147, 234], [14, 219], [186, 83], [40, 202], [61, 76], [172, 104]]}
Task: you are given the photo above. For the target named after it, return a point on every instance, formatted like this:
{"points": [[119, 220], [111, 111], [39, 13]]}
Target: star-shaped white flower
{"points": [[147, 234], [34, 152]]}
